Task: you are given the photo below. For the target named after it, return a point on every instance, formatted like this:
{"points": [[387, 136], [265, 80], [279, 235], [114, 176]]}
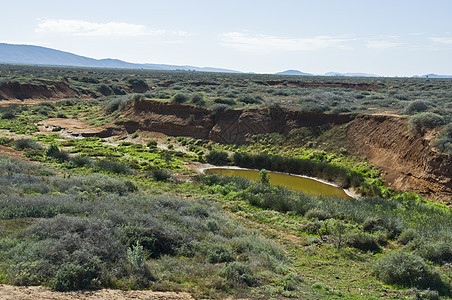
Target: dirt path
{"points": [[9, 292]]}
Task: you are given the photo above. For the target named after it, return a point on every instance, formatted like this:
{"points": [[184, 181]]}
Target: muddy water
{"points": [[297, 183]]}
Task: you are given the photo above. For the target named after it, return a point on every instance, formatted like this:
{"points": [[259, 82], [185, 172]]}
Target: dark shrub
{"points": [[224, 101], [81, 161], [407, 236], [152, 144], [161, 175], [8, 115], [219, 108], [416, 106], [408, 270], [218, 158], [444, 141], [363, 241], [219, 254], [180, 98], [436, 251], [426, 119], [372, 224], [21, 144], [55, 152], [198, 99], [113, 167], [238, 273], [117, 103], [317, 213]]}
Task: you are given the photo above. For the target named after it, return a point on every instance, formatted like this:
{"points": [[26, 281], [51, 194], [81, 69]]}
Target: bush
{"points": [[408, 270], [425, 119], [152, 144], [113, 167], [416, 106], [317, 213], [363, 241], [180, 98], [238, 273], [116, 104], [81, 161], [21, 144], [55, 152], [161, 175], [444, 140], [198, 99], [439, 251], [218, 158]]}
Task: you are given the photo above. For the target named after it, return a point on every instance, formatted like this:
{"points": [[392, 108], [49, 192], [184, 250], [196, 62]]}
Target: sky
{"points": [[387, 38]]}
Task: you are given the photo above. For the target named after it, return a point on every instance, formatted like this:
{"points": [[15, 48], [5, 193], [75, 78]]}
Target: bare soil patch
{"points": [[9, 292]]}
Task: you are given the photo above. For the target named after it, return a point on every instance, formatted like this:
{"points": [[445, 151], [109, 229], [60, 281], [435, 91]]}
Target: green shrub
{"points": [[218, 158], [438, 251], [408, 236], [54, 152], [363, 241], [81, 161], [444, 140], [198, 99], [408, 270], [152, 144], [319, 214], [416, 106], [116, 104], [112, 167], [219, 254], [21, 144], [161, 175], [372, 224], [238, 273], [425, 120], [180, 98]]}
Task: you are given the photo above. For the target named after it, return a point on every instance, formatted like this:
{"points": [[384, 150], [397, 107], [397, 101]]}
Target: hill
{"points": [[293, 72], [37, 55]]}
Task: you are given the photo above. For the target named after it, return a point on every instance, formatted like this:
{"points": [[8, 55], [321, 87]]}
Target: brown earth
{"points": [[407, 160], [39, 90], [9, 292]]}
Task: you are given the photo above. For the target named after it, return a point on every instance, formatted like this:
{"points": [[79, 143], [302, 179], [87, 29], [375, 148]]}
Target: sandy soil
{"points": [[71, 126], [8, 292]]}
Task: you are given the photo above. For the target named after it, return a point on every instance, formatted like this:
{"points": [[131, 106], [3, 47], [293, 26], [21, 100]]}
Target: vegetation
{"points": [[124, 212]]}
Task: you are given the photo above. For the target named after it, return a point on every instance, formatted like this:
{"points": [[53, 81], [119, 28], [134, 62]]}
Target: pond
{"points": [[301, 184]]}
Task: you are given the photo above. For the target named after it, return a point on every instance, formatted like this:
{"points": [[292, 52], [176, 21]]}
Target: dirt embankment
{"points": [[231, 126], [407, 160], [39, 90]]}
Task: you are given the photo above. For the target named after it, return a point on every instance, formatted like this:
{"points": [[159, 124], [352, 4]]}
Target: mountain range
{"points": [[37, 55]]}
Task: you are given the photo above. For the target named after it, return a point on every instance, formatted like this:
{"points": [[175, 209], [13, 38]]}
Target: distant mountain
{"points": [[433, 76], [351, 74], [293, 72], [37, 55]]}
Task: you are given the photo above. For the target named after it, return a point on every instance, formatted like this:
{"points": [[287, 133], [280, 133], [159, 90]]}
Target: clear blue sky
{"points": [[390, 38]]}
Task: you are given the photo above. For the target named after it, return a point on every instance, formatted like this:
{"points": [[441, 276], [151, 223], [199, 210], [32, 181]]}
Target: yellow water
{"points": [[302, 185]]}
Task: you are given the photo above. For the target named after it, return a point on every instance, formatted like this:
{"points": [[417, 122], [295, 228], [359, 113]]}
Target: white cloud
{"points": [[266, 43], [382, 44], [447, 41], [84, 28]]}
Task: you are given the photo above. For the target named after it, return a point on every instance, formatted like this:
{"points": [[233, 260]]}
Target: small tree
{"points": [[264, 177]]}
